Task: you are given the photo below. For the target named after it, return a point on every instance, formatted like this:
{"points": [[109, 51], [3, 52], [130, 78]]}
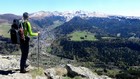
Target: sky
{"points": [[113, 7]]}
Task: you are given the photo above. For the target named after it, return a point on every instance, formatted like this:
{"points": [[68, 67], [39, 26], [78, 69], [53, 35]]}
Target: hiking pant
{"points": [[24, 53]]}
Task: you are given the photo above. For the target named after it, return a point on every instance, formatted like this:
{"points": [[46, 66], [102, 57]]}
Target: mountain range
{"points": [[67, 22], [68, 15]]}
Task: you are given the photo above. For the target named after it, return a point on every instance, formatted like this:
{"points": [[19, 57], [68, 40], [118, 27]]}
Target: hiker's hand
{"points": [[38, 33]]}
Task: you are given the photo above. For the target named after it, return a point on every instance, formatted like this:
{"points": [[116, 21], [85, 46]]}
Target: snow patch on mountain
{"points": [[40, 14], [67, 14]]}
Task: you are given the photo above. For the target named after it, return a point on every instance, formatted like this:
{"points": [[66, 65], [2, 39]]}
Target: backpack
{"points": [[17, 32]]}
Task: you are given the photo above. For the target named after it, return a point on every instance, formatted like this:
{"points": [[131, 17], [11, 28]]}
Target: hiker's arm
{"points": [[30, 30]]}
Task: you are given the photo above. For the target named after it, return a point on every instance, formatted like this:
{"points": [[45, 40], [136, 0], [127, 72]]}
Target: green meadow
{"points": [[4, 28], [82, 36]]}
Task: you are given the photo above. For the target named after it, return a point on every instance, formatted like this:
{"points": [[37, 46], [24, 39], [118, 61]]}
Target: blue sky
{"points": [[116, 7]]}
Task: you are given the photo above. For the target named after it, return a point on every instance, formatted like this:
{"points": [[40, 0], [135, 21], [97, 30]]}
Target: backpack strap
{"points": [[27, 27], [21, 24]]}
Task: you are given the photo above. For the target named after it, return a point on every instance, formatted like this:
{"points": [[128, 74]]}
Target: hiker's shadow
{"points": [[3, 72]]}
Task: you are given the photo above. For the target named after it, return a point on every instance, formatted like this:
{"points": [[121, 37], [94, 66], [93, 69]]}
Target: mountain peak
{"points": [[40, 14], [68, 14]]}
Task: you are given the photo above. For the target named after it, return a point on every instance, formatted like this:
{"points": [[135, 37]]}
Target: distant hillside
{"points": [[37, 22], [76, 24], [127, 27], [8, 17], [47, 21], [109, 26], [4, 28]]}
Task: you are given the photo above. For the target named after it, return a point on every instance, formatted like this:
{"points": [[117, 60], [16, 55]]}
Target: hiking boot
{"points": [[23, 71], [27, 65]]}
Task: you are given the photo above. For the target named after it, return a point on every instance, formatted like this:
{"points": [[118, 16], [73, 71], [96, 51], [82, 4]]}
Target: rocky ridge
{"points": [[9, 69]]}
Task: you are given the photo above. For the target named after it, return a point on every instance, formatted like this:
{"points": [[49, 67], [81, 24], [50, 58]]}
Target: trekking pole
{"points": [[38, 53]]}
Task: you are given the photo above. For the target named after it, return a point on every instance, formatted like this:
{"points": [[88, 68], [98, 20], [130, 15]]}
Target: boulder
{"points": [[9, 68], [9, 62], [55, 73], [83, 72], [71, 71]]}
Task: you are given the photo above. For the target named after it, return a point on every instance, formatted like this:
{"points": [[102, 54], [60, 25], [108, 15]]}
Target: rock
{"points": [[9, 62], [55, 73], [40, 77], [71, 71], [79, 71], [83, 72], [104, 77], [20, 76], [16, 76], [9, 68]]}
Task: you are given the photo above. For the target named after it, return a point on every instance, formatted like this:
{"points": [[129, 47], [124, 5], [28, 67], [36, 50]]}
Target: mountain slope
{"points": [[77, 24], [125, 26], [109, 26], [47, 21], [9, 17]]}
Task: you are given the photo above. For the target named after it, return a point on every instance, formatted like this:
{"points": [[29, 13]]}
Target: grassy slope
{"points": [[76, 36], [55, 24], [4, 28]]}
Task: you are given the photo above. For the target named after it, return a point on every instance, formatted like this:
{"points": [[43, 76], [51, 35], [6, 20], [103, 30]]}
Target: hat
{"points": [[25, 15]]}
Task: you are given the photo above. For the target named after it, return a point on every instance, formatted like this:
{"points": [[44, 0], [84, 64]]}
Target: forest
{"points": [[108, 54]]}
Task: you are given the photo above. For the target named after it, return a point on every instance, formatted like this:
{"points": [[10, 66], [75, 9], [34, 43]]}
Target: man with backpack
{"points": [[24, 44]]}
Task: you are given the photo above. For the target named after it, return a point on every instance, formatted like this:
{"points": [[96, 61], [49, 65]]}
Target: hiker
{"points": [[24, 45]]}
